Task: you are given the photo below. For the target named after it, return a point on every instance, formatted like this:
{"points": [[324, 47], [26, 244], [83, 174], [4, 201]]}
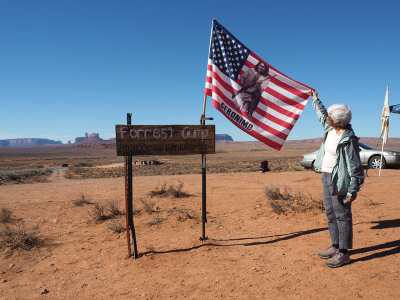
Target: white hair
{"points": [[340, 114]]}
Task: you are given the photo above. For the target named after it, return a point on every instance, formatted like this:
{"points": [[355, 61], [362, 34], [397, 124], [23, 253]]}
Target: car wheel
{"points": [[375, 162]]}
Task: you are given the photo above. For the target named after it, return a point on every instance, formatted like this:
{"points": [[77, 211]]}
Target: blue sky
{"points": [[70, 67]]}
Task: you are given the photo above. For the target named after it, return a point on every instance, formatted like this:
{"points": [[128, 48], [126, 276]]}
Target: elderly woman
{"points": [[342, 176]]}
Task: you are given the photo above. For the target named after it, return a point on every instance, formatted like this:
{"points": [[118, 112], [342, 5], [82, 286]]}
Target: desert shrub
{"points": [[148, 205], [116, 226], [185, 215], [81, 200], [282, 201], [5, 215], [176, 191], [83, 165], [18, 236], [172, 190], [155, 221], [114, 209], [89, 172], [25, 177], [99, 213], [159, 191], [272, 192], [287, 167], [136, 211]]}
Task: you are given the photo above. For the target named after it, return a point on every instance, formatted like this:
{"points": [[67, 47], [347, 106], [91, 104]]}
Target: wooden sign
{"points": [[165, 139]]}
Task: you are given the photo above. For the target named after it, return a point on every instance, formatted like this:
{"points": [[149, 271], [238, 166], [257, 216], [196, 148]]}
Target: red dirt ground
{"points": [[251, 251]]}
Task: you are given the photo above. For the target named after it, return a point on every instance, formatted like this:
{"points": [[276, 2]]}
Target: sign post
{"points": [[130, 227], [204, 179], [203, 198], [162, 140]]}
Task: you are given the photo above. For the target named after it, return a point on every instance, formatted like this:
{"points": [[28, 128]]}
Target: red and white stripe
{"points": [[280, 106]]}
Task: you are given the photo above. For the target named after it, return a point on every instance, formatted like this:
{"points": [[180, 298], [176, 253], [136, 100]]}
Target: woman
{"points": [[342, 177]]}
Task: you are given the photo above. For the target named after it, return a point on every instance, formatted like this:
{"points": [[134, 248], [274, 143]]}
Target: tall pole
{"points": [[129, 192], [128, 232], [203, 164], [204, 197], [203, 181], [380, 165]]}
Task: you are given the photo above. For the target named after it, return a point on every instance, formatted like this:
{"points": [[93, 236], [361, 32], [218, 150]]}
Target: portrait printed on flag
{"points": [[254, 81]]}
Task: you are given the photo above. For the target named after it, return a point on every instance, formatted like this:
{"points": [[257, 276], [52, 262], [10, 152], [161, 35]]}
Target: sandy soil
{"points": [[251, 252], [114, 165]]}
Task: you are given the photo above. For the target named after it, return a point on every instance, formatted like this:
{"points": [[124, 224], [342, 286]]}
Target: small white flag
{"points": [[385, 117]]}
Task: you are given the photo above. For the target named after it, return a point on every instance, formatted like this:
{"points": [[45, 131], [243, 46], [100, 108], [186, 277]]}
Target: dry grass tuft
{"points": [[99, 213], [185, 215], [18, 236], [85, 172], [5, 215], [25, 177], [282, 201], [81, 200], [136, 211], [155, 221], [171, 191], [159, 191], [114, 209], [102, 212], [148, 205], [177, 192], [287, 168], [116, 226]]}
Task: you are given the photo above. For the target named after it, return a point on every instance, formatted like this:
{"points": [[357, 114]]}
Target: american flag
{"points": [[253, 95]]}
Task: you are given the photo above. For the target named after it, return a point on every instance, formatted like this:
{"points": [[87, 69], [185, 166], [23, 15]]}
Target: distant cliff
{"points": [[223, 137], [89, 139], [28, 142]]}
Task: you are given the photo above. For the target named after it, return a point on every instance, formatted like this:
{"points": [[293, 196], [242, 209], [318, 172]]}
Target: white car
{"points": [[370, 158]]}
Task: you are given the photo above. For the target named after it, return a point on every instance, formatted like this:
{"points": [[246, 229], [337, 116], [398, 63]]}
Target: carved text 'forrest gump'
{"points": [[163, 133]]}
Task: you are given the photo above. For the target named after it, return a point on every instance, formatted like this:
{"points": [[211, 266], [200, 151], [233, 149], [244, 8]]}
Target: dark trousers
{"points": [[340, 218]]}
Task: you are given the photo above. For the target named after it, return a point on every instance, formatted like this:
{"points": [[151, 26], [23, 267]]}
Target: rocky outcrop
{"points": [[89, 139], [223, 137], [25, 142]]}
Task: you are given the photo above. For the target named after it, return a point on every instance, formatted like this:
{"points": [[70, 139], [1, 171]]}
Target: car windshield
{"points": [[365, 146]]}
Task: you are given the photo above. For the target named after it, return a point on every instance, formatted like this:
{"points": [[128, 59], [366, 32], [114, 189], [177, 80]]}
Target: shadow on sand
{"points": [[394, 245], [383, 224], [278, 238], [386, 224]]}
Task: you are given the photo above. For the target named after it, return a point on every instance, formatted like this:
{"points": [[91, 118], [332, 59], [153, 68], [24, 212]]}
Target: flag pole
{"points": [[380, 165], [203, 181], [203, 116]]}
